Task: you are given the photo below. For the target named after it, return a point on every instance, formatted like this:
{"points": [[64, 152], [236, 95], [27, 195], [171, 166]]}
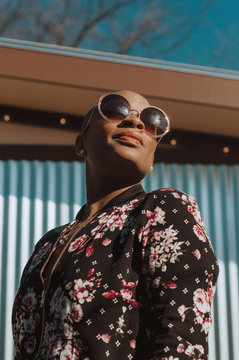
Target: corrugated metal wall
{"points": [[36, 196]]}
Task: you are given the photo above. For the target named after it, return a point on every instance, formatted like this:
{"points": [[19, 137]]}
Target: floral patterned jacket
{"points": [[137, 282]]}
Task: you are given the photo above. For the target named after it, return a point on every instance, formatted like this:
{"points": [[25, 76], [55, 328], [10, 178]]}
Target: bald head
{"points": [[132, 96]]}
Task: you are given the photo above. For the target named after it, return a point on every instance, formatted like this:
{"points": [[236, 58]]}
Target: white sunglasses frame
{"points": [[130, 110]]}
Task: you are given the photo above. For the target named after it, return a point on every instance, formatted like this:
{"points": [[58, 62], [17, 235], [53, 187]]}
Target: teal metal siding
{"points": [[37, 196]]}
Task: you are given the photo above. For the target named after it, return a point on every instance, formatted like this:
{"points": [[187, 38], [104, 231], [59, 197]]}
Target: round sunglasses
{"points": [[115, 107]]}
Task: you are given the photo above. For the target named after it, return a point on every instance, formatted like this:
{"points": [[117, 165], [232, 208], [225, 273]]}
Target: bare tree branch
{"points": [[141, 28], [102, 15], [5, 19]]}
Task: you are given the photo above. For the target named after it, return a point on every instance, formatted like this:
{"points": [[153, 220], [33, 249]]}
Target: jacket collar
{"points": [[133, 192]]}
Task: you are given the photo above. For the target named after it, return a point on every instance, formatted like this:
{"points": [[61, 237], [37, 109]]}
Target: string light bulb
{"points": [[173, 142], [62, 121], [226, 149], [6, 117]]}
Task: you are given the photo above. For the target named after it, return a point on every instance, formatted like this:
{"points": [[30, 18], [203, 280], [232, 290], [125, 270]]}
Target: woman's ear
{"points": [[79, 147]]}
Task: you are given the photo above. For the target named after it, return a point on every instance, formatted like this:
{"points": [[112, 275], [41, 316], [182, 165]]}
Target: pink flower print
{"points": [[132, 344], [130, 205], [143, 234], [105, 338], [211, 292], [134, 303], [67, 330], [156, 282], [176, 195], [170, 234], [54, 300], [193, 201], [190, 209], [167, 189], [165, 246], [207, 322], [189, 350], [199, 232], [119, 223], [76, 312], [157, 216], [157, 235], [30, 345], [106, 242], [111, 221], [164, 258], [89, 251], [29, 300], [199, 317], [169, 284], [78, 243], [128, 284], [99, 235], [180, 348], [126, 294], [200, 348], [197, 217], [103, 218], [96, 230], [152, 258], [54, 346], [83, 291], [41, 253], [63, 307], [197, 254], [184, 197], [66, 354], [181, 310], [29, 325], [68, 226], [200, 299], [91, 272], [111, 294]]}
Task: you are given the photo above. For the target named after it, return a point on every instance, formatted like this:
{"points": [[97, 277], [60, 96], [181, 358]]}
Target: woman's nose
{"points": [[133, 120]]}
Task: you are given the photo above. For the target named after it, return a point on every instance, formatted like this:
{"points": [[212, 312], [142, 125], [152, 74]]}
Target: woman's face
{"points": [[120, 148]]}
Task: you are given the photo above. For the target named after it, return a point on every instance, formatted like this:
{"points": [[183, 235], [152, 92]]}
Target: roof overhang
{"points": [[59, 79]]}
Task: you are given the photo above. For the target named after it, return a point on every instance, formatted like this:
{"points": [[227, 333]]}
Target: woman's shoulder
{"points": [[51, 235], [170, 196], [176, 206]]}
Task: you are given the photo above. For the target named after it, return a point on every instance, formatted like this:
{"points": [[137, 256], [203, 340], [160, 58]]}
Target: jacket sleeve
{"points": [[180, 272], [50, 236]]}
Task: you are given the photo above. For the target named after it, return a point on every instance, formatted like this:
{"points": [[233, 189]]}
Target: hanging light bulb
{"points": [[62, 121], [6, 117], [226, 149]]}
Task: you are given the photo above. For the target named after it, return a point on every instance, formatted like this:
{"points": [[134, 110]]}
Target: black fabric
{"points": [[137, 282]]}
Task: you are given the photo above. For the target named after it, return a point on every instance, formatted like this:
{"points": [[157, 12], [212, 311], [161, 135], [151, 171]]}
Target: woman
{"points": [[133, 276]]}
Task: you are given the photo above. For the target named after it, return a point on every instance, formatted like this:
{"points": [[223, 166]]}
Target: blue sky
{"points": [[215, 41]]}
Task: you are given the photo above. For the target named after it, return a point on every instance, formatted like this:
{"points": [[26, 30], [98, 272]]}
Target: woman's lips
{"points": [[129, 138]]}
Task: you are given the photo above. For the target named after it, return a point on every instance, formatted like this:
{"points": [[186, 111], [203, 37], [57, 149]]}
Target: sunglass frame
{"points": [[139, 113]]}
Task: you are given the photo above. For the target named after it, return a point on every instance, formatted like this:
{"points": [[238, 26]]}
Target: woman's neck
{"points": [[98, 197]]}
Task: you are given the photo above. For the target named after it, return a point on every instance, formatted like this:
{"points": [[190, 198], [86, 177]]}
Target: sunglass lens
{"points": [[115, 107], [154, 120]]}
